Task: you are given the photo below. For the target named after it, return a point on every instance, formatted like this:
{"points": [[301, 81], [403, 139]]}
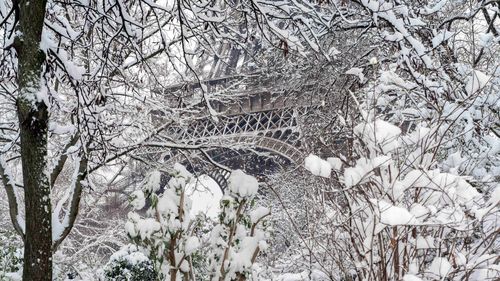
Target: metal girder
{"points": [[280, 124], [257, 118], [276, 131]]}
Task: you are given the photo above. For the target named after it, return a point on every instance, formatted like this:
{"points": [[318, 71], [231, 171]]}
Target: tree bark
{"points": [[33, 125]]}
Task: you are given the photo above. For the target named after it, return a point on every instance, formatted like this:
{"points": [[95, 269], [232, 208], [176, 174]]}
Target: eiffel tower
{"points": [[258, 131]]}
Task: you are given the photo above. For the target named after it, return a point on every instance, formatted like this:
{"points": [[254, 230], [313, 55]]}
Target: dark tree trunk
{"points": [[33, 123]]}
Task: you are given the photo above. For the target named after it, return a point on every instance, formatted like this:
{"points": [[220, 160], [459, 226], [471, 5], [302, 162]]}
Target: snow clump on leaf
{"points": [[137, 200], [242, 184], [317, 166]]}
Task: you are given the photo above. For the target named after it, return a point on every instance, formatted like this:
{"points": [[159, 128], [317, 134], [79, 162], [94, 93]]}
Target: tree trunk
{"points": [[33, 125]]}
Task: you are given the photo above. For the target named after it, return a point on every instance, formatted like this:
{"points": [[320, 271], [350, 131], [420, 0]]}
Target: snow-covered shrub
{"points": [[411, 209], [241, 233], [11, 257], [129, 264], [416, 194], [164, 232], [182, 247]]}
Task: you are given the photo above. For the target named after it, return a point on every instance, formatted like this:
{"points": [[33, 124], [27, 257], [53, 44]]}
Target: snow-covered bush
{"points": [[11, 257], [415, 192], [178, 245], [129, 264], [411, 208], [164, 232], [241, 233]]}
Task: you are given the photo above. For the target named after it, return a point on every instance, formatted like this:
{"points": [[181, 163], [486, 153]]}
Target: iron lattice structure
{"points": [[257, 116], [275, 130]]}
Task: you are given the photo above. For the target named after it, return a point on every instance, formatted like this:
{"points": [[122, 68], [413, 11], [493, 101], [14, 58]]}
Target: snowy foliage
{"points": [[129, 264], [240, 235], [415, 196], [402, 208], [164, 233], [168, 234], [421, 204], [406, 189], [11, 257]]}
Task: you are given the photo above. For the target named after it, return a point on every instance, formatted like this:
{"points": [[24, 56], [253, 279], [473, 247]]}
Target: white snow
{"points": [[192, 244], [440, 267], [168, 202], [454, 161], [476, 82], [14, 276], [335, 163], [411, 277], [259, 213], [492, 204], [317, 166], [61, 129], [430, 10], [205, 194], [356, 71], [243, 258], [359, 173], [181, 177], [393, 215], [417, 22], [419, 211], [379, 134], [485, 39], [147, 227], [385, 10], [425, 242], [441, 37], [130, 229], [393, 81], [440, 187], [242, 185], [137, 200], [152, 182], [495, 196], [333, 52], [129, 253], [182, 171]]}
